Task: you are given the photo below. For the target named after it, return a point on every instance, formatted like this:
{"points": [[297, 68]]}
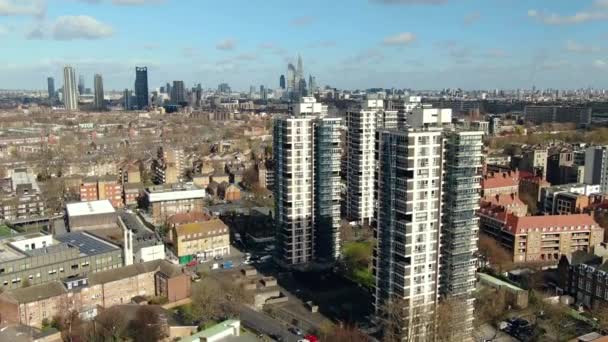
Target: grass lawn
{"points": [[356, 257], [5, 231]]}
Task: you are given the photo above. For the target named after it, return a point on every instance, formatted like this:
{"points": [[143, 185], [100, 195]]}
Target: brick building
{"points": [[496, 183], [204, 239], [102, 188], [31, 305], [541, 238], [510, 203], [584, 276]]}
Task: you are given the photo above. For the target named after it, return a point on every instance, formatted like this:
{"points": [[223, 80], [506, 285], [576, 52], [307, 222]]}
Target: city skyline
{"points": [[403, 43]]}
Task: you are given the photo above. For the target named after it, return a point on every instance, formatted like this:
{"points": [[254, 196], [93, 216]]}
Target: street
{"points": [[264, 324]]}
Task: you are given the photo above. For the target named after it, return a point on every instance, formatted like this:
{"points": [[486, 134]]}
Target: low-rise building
{"points": [[131, 194], [205, 239], [510, 203], [567, 198], [102, 188], [541, 239], [31, 305], [229, 192], [91, 215], [22, 198], [500, 183], [161, 202], [38, 258], [584, 276]]}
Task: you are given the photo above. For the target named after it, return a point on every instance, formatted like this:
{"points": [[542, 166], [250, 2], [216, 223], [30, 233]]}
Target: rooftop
{"points": [[210, 227], [86, 243], [21, 176], [89, 208], [550, 223]]}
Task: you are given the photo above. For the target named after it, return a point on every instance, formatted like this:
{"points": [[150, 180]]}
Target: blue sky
{"points": [[419, 44]]}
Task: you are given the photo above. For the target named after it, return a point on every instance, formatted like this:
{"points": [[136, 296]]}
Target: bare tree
{"points": [[343, 333], [498, 256], [147, 325], [490, 306], [110, 324]]}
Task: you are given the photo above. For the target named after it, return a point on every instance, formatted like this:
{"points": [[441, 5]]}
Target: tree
{"points": [[497, 255], [147, 325], [206, 300], [490, 306], [558, 326], [67, 323], [600, 313], [530, 201], [343, 333], [110, 324]]}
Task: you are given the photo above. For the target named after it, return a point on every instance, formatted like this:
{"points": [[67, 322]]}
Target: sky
{"points": [[348, 44]]}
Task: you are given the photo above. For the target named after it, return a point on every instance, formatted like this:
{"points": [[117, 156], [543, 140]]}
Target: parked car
{"points": [[296, 331], [218, 257]]}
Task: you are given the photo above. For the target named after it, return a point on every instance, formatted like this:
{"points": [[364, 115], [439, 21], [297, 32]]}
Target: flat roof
{"points": [[23, 177], [498, 282], [179, 194], [90, 208], [86, 243], [8, 253]]}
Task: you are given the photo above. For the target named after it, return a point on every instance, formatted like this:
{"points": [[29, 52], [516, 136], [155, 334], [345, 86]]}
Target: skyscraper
{"points": [[263, 93], [460, 225], [596, 166], [141, 87], [312, 86], [70, 95], [98, 85], [51, 88], [291, 78], [362, 122], [81, 87], [168, 88], [126, 99], [300, 69], [306, 147], [427, 193], [178, 92], [282, 82]]}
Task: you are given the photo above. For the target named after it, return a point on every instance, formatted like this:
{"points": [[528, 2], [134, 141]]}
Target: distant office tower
{"points": [[224, 88], [459, 230], [199, 95], [81, 88], [427, 193], [291, 77], [99, 101], [302, 88], [596, 167], [70, 95], [312, 86], [141, 87], [168, 89], [263, 93], [300, 69], [306, 147], [178, 94], [362, 122], [126, 99], [282, 84], [51, 87]]}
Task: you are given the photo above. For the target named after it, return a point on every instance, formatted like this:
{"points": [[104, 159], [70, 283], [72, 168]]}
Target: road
{"points": [[264, 324]]}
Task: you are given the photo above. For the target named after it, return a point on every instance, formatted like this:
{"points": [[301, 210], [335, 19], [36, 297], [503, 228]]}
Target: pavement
{"points": [[266, 325], [487, 333]]}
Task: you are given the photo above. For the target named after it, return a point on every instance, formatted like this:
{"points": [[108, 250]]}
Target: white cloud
{"points": [[71, 28], [226, 44], [600, 64], [573, 46], [404, 38], [410, 2], [577, 18], [22, 7]]}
